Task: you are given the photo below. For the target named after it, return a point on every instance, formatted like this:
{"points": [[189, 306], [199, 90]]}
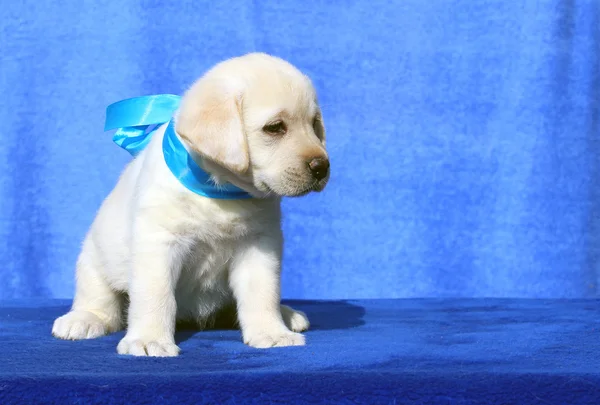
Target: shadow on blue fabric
{"points": [[323, 315]]}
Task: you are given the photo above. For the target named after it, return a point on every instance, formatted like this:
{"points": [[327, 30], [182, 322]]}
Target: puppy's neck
{"points": [[220, 175]]}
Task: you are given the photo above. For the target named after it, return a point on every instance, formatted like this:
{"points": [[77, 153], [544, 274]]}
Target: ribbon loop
{"points": [[132, 118], [136, 120]]}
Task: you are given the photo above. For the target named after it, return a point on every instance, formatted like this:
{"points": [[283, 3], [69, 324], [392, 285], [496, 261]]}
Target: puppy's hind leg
{"points": [[96, 309], [296, 321]]}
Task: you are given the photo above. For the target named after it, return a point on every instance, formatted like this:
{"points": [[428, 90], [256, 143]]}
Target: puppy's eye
{"points": [[275, 128], [318, 127]]}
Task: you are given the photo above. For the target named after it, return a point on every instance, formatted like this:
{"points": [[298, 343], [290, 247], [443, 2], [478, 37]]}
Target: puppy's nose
{"points": [[319, 168]]}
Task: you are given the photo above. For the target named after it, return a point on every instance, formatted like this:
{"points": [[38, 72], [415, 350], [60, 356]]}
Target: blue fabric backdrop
{"points": [[464, 136]]}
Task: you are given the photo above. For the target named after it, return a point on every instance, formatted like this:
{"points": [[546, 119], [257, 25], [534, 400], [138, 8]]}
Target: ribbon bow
{"points": [[136, 120]]}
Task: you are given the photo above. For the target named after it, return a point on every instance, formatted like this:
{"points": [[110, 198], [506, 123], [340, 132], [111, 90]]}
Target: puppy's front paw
{"points": [[147, 347], [264, 340], [296, 321], [79, 325]]}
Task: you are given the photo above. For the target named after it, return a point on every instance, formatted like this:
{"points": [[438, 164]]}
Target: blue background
{"points": [[464, 136]]}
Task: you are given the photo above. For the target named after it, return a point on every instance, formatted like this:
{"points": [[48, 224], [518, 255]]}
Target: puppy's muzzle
{"points": [[319, 168]]}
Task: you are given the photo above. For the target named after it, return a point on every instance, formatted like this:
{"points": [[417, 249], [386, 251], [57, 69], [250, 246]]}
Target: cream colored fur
{"points": [[160, 253]]}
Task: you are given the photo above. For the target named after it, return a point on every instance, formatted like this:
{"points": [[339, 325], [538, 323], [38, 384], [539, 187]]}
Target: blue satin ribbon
{"points": [[136, 120]]}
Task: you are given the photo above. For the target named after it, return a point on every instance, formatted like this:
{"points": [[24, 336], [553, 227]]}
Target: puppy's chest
{"points": [[210, 235], [205, 265], [218, 222], [217, 228]]}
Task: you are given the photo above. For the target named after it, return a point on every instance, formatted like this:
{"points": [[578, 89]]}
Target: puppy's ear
{"points": [[210, 120]]}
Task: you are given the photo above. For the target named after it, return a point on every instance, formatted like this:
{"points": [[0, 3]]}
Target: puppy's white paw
{"points": [[147, 347], [265, 340], [79, 325], [296, 321]]}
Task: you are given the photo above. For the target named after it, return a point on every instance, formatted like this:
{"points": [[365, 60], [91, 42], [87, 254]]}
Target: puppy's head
{"points": [[257, 123]]}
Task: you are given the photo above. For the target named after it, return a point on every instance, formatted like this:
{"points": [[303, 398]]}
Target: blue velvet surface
{"points": [[436, 351], [464, 136]]}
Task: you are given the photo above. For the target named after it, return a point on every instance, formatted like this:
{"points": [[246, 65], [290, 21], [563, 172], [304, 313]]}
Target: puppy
{"points": [[172, 255]]}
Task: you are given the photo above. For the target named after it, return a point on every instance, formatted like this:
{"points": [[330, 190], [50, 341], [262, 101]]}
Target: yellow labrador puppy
{"points": [[170, 254]]}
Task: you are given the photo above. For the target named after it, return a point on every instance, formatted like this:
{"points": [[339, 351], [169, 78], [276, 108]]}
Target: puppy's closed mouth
{"points": [[316, 186], [295, 192]]}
